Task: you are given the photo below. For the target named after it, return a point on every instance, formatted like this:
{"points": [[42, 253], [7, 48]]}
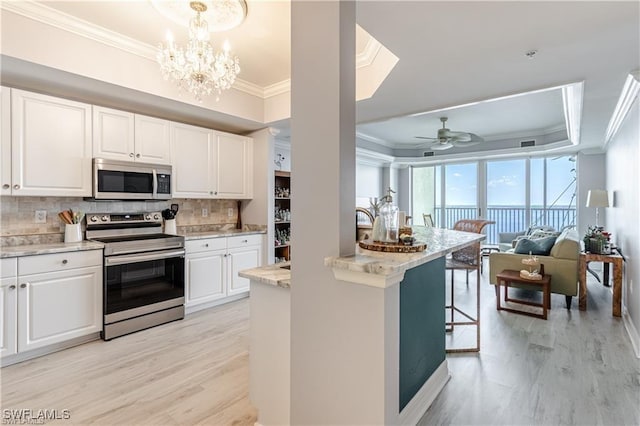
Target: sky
{"points": [[506, 183]]}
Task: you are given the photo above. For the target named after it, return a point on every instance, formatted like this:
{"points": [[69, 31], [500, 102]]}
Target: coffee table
{"points": [[508, 277]]}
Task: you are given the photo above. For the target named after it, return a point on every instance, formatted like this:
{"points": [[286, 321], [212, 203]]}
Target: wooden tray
{"points": [[391, 247]]}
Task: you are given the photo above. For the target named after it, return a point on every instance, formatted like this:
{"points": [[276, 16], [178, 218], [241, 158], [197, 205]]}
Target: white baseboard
{"points": [[631, 331], [35, 353], [420, 403], [195, 308]]}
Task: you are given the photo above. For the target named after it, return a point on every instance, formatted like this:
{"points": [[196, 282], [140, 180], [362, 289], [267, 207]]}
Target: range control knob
{"points": [[94, 218], [147, 217], [104, 218], [156, 216]]}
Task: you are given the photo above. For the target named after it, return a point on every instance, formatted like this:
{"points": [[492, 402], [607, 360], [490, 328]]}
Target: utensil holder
{"points": [[73, 233], [170, 227]]}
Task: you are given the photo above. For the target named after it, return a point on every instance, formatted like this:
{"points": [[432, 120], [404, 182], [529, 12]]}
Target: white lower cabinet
{"points": [[8, 306], [212, 267], [55, 298]]}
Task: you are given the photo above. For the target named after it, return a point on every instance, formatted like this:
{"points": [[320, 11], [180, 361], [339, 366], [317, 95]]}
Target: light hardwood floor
{"points": [[576, 368]]}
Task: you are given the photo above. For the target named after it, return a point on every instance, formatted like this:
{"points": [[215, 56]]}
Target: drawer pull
{"points": [[16, 186], [12, 287], [245, 241], [131, 154], [6, 186], [206, 245], [65, 261], [23, 285], [137, 155]]}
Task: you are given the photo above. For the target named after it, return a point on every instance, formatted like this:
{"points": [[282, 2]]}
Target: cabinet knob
{"points": [[206, 245], [16, 186], [65, 261], [12, 287], [6, 186], [137, 155], [23, 285], [210, 192], [245, 241], [215, 193], [131, 154]]}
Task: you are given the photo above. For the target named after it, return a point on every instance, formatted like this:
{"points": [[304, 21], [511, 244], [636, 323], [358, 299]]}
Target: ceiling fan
{"points": [[447, 139]]}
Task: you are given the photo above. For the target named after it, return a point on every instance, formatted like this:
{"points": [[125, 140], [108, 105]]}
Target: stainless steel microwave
{"points": [[122, 180]]}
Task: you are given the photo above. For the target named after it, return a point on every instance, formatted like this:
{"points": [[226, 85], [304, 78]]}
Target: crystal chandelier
{"points": [[198, 68]]}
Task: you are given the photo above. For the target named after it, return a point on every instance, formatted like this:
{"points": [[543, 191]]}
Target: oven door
{"points": [[138, 284]]}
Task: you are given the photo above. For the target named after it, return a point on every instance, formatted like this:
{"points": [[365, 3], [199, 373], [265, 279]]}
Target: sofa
{"points": [[507, 240], [561, 264]]}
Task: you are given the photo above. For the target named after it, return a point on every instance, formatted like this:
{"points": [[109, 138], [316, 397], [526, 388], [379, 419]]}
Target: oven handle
{"points": [[134, 258]]}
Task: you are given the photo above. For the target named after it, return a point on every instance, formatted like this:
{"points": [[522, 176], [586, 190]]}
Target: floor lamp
{"points": [[597, 198]]}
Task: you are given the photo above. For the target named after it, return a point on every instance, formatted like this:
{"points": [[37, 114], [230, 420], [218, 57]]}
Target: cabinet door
{"points": [[240, 259], [113, 134], [8, 314], [234, 166], [58, 306], [205, 273], [50, 146], [192, 158], [153, 140], [5, 141]]}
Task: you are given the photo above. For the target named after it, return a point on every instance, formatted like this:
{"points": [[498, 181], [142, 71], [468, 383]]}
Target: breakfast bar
{"points": [[402, 338]]}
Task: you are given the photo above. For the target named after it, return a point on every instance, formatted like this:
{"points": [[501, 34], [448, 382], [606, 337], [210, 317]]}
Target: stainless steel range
{"points": [[143, 271]]}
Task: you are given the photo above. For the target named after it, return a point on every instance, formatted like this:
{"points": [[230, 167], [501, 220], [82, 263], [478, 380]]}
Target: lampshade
{"points": [[597, 198]]}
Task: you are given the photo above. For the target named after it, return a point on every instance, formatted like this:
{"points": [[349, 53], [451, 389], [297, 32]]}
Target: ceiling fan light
{"points": [[441, 146]]}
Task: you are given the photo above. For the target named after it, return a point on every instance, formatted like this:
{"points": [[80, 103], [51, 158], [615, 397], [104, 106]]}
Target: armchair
{"points": [[561, 263]]}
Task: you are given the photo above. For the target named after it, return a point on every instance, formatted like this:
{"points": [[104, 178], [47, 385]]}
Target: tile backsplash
{"points": [[17, 215]]}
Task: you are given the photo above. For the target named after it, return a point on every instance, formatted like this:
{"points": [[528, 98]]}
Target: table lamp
{"points": [[597, 198]]}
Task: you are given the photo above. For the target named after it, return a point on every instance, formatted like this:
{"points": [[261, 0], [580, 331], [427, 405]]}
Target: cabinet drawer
{"points": [[59, 261], [8, 267], [244, 240], [207, 244]]}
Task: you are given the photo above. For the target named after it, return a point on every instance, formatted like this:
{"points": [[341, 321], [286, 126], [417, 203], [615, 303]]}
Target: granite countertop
{"points": [[378, 265], [35, 249], [384, 268], [190, 235], [272, 274]]}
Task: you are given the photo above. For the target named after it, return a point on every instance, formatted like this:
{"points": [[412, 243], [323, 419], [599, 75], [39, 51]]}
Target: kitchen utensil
{"points": [[175, 208]]}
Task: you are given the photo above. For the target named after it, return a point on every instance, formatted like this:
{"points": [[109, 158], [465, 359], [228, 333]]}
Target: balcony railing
{"points": [[509, 219]]}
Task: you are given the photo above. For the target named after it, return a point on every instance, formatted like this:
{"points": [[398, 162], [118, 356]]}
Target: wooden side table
{"points": [[616, 260], [508, 277]]}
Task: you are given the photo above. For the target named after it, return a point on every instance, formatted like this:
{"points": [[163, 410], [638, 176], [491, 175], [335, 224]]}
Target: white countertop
{"points": [[35, 249]]}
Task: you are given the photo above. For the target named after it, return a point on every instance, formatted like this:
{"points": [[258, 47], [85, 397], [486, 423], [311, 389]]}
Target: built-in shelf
{"points": [[282, 228]]}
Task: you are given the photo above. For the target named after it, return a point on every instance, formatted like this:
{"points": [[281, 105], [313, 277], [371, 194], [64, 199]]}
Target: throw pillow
{"points": [[538, 247], [539, 233]]}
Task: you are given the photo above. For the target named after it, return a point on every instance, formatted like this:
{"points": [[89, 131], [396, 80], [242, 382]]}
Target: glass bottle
{"points": [[389, 220]]}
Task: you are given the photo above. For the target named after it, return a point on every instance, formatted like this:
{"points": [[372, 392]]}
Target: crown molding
{"points": [[277, 89], [625, 102], [367, 56], [572, 95], [63, 21], [373, 158]]}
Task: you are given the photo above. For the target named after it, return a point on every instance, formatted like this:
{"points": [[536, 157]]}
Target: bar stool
{"points": [[467, 259]]}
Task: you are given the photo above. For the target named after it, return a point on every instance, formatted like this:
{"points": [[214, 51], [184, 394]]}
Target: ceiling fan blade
{"points": [[441, 146], [449, 133], [425, 137], [473, 139], [462, 137]]}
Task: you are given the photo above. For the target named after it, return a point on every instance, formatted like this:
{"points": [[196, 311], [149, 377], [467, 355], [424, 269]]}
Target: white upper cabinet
{"points": [[5, 141], [153, 140], [113, 133], [193, 175], [50, 146], [211, 164], [121, 135], [234, 159]]}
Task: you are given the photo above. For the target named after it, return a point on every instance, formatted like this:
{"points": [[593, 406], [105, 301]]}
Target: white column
{"points": [[337, 329]]}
